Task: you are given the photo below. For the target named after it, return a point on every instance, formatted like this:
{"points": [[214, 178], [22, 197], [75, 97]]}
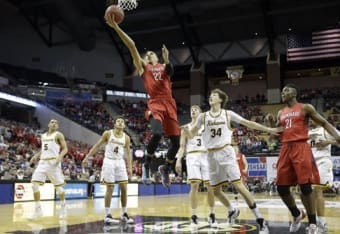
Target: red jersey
{"points": [[294, 123], [156, 81]]}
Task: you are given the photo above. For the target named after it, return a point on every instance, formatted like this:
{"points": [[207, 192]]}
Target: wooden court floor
{"points": [[153, 214]]}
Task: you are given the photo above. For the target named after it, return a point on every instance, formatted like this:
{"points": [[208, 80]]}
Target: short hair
{"points": [[290, 85], [118, 117], [196, 106], [222, 95]]}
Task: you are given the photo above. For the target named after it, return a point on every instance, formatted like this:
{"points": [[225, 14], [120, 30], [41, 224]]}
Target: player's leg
{"points": [[307, 173], [241, 188], [157, 131], [194, 184], [123, 199], [108, 178], [122, 178], [56, 176], [325, 167], [170, 159], [38, 178], [286, 177], [218, 177]]}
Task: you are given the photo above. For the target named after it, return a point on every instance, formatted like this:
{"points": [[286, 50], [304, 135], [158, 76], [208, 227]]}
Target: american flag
{"points": [[315, 45]]}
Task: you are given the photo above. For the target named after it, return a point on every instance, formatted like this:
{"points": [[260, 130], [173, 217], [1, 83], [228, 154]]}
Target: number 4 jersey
{"points": [[294, 123], [115, 147]]}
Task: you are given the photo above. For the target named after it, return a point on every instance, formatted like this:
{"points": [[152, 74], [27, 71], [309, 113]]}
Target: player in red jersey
{"points": [[162, 110], [296, 164]]}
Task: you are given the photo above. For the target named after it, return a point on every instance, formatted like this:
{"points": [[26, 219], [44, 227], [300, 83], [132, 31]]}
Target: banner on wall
{"points": [[24, 192], [74, 190], [257, 166], [99, 190]]}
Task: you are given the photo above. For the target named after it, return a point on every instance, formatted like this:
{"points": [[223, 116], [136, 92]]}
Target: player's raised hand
{"points": [[165, 54]]}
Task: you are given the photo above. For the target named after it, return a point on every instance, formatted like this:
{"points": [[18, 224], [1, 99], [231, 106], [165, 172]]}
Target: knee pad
{"points": [[283, 190], [306, 189], [35, 187], [60, 190]]}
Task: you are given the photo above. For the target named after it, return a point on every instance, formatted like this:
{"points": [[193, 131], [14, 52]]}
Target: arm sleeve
{"points": [[235, 117]]}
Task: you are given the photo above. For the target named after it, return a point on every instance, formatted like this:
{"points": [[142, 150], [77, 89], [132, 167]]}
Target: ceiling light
{"points": [[256, 34], [289, 29]]}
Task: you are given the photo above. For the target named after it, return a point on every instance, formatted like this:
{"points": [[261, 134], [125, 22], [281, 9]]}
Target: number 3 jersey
{"points": [[115, 146], [294, 123], [217, 131], [196, 144]]}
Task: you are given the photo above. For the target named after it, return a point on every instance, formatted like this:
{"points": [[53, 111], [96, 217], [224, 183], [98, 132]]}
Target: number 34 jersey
{"points": [[217, 131], [115, 147]]}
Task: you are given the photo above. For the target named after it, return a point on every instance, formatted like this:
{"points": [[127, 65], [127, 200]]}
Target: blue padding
{"points": [[146, 190], [185, 188], [7, 193], [161, 190], [175, 188]]}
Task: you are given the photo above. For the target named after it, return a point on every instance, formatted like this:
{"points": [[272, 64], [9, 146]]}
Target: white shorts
{"points": [[223, 166], [197, 166], [48, 169], [325, 167], [113, 170]]}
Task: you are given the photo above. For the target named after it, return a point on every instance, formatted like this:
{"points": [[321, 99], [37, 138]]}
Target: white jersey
{"points": [[115, 147], [50, 149], [217, 131], [316, 135], [196, 143]]}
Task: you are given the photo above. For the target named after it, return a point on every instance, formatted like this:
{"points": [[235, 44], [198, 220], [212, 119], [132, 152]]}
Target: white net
{"points": [[128, 4]]}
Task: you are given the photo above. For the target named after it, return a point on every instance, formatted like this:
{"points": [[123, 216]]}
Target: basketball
{"points": [[115, 13]]}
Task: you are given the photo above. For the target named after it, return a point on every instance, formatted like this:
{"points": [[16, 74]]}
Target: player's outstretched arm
{"points": [[103, 139], [129, 43]]}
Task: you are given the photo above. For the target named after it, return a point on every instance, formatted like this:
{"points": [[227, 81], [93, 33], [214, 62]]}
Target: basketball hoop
{"points": [[128, 4]]}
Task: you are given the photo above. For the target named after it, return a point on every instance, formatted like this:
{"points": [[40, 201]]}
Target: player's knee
{"points": [[283, 191], [59, 190], [306, 189], [35, 187]]}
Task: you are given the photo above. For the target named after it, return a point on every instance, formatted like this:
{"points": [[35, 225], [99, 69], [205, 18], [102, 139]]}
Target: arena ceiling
{"points": [[190, 24]]}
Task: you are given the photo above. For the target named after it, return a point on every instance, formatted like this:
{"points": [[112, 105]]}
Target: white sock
{"points": [[62, 202], [37, 205], [212, 209], [193, 211], [256, 213], [124, 210], [107, 211]]}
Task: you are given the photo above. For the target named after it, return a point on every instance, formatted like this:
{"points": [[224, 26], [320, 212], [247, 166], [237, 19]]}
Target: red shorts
{"points": [[164, 110], [296, 165]]}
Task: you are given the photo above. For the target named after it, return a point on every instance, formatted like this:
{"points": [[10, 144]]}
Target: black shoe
{"points": [[194, 220]]}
